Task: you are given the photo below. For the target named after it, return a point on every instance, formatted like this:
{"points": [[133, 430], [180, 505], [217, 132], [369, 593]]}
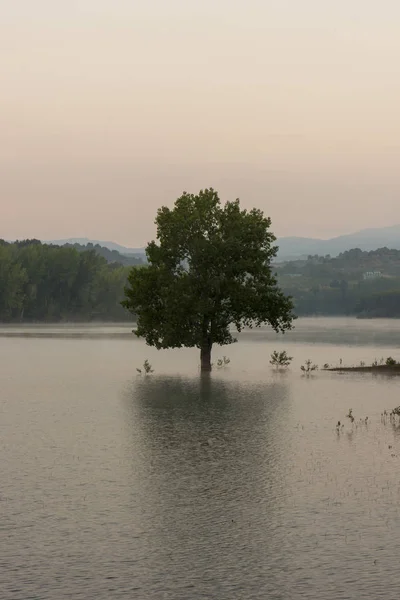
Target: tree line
{"points": [[46, 283], [364, 284]]}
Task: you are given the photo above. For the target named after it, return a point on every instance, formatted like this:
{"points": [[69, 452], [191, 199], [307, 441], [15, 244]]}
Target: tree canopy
{"points": [[209, 269], [40, 282]]}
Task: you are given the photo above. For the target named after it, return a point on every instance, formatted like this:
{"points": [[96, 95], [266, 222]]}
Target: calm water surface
{"points": [[237, 486]]}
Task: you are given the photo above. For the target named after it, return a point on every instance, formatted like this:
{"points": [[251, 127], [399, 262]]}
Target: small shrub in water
{"points": [[308, 366], [147, 368], [280, 359], [223, 362], [390, 362]]}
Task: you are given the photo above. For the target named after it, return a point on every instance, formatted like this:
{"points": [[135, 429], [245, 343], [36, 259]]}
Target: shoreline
{"points": [[392, 369]]}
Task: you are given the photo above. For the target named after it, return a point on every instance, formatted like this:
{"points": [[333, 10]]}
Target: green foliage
{"points": [[280, 359], [308, 367], [390, 362], [336, 286], [13, 279], [209, 269], [385, 304], [147, 368], [40, 282]]}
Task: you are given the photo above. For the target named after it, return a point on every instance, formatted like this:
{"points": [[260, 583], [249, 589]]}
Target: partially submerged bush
{"points": [[223, 362], [390, 362], [147, 368], [280, 359], [308, 366]]}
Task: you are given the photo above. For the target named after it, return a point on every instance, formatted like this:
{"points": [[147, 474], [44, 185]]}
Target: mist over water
{"points": [[342, 331], [237, 485]]}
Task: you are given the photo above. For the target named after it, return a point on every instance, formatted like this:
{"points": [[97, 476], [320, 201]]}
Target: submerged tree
{"points": [[280, 359], [209, 269]]}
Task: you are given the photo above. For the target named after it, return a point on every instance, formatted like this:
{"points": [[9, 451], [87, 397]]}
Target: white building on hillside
{"points": [[372, 275]]}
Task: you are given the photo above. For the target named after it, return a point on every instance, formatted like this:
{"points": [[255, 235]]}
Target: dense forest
{"points": [[46, 283], [40, 282], [366, 284]]}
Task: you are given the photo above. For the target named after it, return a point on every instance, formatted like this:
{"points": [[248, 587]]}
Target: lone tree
{"points": [[209, 269]]}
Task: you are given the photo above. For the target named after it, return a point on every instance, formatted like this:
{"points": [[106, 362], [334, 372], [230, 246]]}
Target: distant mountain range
{"points": [[367, 239], [290, 248]]}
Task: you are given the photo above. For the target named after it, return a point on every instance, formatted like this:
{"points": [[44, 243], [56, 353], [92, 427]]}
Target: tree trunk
{"points": [[205, 357]]}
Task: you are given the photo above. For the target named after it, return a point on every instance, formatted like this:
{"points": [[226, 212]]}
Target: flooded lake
{"points": [[178, 487]]}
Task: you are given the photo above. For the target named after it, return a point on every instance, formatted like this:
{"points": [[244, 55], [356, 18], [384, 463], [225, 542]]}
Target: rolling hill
{"points": [[366, 239], [290, 248]]}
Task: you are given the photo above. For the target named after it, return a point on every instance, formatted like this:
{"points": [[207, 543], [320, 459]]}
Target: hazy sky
{"points": [[111, 108]]}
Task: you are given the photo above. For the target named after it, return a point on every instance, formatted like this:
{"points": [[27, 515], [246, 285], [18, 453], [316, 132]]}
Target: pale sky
{"points": [[111, 108]]}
